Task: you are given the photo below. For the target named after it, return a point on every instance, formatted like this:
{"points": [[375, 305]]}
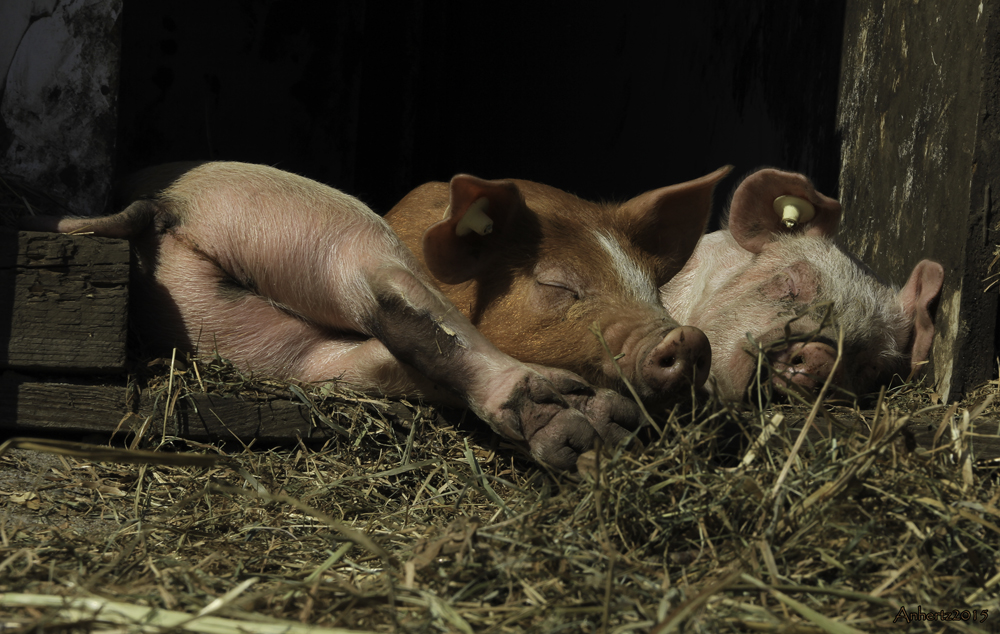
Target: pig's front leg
{"points": [[553, 411]]}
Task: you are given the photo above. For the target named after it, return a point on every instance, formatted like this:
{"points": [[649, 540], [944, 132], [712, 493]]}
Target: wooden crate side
{"points": [[29, 406], [63, 303]]}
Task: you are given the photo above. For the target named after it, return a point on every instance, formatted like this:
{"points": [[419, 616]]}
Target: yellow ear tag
{"points": [[794, 210], [475, 219]]}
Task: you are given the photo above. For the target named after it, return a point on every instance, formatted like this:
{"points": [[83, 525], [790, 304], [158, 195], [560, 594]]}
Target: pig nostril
{"points": [[798, 359]]}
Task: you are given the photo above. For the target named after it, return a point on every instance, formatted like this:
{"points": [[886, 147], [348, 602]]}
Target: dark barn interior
{"points": [[605, 101]]}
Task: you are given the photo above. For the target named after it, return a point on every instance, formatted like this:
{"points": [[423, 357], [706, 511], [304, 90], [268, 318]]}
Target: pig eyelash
{"points": [[576, 295]]}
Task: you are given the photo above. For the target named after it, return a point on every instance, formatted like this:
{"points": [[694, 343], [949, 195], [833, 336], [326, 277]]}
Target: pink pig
{"points": [[288, 277], [761, 278]]}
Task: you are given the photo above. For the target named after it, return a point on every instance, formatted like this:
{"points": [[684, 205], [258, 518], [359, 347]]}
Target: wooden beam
{"points": [[63, 302], [29, 406], [918, 106]]}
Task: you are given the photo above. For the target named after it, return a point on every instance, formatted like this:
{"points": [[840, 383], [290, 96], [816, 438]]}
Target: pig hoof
{"points": [[560, 416], [612, 416], [560, 442], [590, 413]]}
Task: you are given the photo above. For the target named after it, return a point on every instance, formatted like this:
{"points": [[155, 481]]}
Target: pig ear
{"points": [[458, 247], [753, 220], [916, 298], [669, 221]]}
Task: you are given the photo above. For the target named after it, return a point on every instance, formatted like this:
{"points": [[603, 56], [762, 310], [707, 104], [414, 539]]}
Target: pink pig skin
{"points": [[288, 277], [555, 265], [756, 275]]}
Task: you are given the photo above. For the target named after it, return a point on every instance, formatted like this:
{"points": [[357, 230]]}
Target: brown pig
{"points": [[761, 285], [534, 267], [286, 276]]}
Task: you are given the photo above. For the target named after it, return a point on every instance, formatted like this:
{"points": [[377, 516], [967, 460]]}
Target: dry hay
{"points": [[424, 522]]}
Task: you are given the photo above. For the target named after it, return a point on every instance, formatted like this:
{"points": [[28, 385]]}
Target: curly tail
{"points": [[137, 194], [124, 224]]}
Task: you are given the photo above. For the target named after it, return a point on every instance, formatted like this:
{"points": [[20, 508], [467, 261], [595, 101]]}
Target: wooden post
{"points": [[918, 105]]}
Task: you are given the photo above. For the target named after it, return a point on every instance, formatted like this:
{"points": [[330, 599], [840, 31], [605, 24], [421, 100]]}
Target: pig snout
{"points": [[805, 364], [683, 356]]}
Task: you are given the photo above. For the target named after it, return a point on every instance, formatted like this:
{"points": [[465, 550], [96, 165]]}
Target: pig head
{"points": [[534, 268], [781, 288]]}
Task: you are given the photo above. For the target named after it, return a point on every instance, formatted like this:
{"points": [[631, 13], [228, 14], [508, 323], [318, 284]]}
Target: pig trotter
{"points": [[556, 434], [560, 425]]}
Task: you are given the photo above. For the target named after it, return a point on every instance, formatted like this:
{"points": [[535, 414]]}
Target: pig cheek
{"points": [[740, 368], [542, 328], [798, 282], [868, 375], [736, 358], [569, 341]]}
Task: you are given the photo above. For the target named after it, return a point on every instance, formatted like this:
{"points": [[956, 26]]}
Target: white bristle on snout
{"points": [[475, 219], [794, 210]]}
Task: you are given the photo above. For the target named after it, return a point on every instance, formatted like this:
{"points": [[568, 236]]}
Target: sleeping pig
{"points": [[762, 286], [536, 269], [286, 276]]}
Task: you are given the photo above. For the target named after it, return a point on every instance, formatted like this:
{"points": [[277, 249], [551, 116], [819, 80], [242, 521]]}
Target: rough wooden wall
{"points": [[917, 106]]}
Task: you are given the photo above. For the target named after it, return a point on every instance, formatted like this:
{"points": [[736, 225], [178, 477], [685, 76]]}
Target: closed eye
{"points": [[573, 293]]}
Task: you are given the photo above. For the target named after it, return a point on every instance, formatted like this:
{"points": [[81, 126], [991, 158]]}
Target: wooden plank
{"points": [[919, 95], [63, 303], [918, 432], [216, 417], [985, 444], [27, 406]]}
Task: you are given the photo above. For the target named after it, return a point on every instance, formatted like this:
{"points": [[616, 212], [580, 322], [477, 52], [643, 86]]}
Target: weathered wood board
{"points": [[29, 406], [216, 417], [918, 105], [63, 302]]}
